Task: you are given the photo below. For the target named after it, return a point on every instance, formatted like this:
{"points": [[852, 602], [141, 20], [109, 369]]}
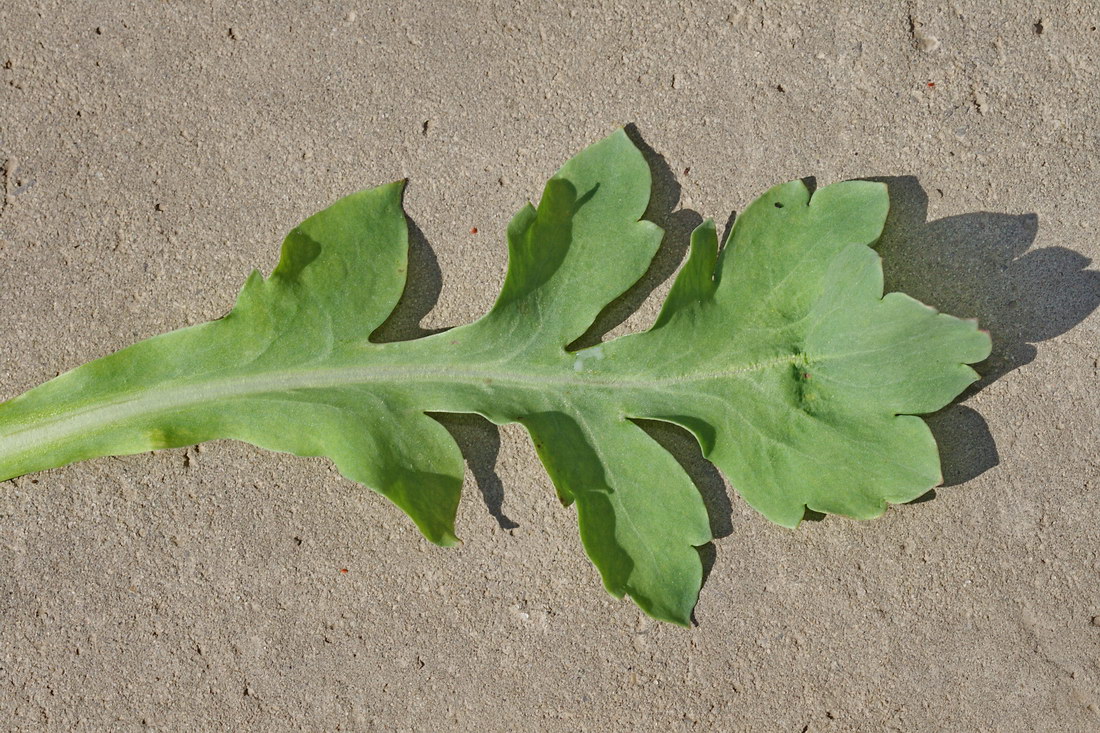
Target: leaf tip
{"points": [[680, 616], [445, 539], [683, 623], [987, 339], [398, 188]]}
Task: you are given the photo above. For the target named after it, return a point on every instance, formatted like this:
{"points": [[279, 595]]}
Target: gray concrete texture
{"points": [[154, 152]]}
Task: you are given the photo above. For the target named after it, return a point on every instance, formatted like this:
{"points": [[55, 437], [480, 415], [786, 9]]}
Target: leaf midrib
{"points": [[177, 395]]}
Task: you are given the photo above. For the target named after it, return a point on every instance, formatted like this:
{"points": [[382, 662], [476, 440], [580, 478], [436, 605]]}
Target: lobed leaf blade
{"points": [[779, 352]]}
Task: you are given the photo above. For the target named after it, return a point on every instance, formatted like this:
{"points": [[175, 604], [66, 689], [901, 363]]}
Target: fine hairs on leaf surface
{"points": [[777, 351]]}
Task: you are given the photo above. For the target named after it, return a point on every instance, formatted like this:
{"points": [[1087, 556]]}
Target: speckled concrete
{"points": [[152, 153]]}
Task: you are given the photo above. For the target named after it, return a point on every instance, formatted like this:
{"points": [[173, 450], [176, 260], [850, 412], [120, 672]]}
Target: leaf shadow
{"points": [[982, 265], [685, 449], [423, 284], [479, 441]]}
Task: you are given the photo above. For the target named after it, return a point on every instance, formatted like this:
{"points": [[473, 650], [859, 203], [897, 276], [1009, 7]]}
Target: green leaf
{"points": [[778, 353]]}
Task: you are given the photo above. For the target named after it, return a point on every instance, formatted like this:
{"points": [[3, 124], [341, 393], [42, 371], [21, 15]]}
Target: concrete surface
{"points": [[153, 152]]}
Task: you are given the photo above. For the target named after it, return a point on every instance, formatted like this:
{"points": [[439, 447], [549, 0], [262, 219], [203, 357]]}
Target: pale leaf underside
{"points": [[778, 352]]}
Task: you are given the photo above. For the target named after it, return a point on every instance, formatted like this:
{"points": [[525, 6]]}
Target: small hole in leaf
{"points": [[779, 204]]}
